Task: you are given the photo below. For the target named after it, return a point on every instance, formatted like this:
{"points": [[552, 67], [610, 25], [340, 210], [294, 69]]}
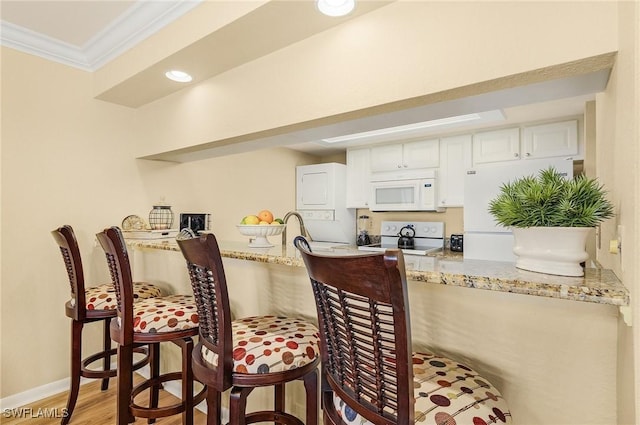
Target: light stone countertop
{"points": [[600, 286]]}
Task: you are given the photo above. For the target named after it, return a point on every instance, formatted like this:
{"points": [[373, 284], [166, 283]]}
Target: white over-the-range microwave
{"points": [[416, 191]]}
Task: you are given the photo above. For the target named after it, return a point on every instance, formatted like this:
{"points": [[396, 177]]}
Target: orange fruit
{"points": [[265, 215]]}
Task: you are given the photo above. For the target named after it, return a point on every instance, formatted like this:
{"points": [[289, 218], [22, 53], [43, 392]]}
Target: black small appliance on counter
{"points": [[195, 222], [456, 243]]}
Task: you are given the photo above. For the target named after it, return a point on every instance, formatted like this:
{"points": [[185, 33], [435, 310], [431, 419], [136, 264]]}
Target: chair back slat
{"points": [[209, 284], [115, 250], [66, 240], [363, 315]]}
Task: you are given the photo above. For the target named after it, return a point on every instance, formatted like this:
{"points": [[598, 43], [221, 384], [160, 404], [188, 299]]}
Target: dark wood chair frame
{"points": [[208, 280], [118, 260], [363, 316], [76, 310]]}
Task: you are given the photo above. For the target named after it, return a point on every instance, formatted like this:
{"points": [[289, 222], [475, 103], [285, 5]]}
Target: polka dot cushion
{"points": [[447, 393], [165, 314], [103, 297], [268, 344]]}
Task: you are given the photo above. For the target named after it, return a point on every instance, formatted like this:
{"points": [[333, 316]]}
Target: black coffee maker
{"points": [[457, 243], [405, 241]]}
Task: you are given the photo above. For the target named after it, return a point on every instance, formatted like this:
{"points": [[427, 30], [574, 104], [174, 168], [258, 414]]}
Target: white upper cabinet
{"points": [[386, 158], [424, 154], [455, 159], [497, 145], [405, 156], [358, 178], [538, 141], [548, 140]]}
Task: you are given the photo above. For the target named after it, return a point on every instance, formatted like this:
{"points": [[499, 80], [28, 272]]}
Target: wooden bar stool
{"points": [[151, 321], [369, 373], [246, 353], [91, 304]]}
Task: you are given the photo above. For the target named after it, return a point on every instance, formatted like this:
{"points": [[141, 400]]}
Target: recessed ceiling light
{"points": [[179, 76], [336, 7]]}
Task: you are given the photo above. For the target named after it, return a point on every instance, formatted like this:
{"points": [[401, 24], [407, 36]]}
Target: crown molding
{"points": [[37, 44], [140, 21]]}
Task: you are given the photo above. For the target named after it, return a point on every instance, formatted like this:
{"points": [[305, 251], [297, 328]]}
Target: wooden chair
{"points": [[90, 304], [151, 321], [369, 373], [246, 353]]}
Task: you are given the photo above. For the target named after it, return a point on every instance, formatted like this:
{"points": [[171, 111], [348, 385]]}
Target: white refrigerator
{"points": [[483, 238]]}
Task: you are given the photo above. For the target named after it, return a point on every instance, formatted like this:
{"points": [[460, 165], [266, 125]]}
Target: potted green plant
{"points": [[551, 217]]}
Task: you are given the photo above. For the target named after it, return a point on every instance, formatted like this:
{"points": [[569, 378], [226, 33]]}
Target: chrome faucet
{"points": [[303, 230]]}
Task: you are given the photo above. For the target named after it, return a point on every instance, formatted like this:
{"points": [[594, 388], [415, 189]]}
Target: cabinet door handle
{"points": [[405, 165], [516, 155], [399, 166], [527, 154]]}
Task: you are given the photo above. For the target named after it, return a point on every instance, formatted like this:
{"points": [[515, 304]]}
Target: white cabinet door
{"points": [[358, 178], [498, 145], [548, 140], [455, 159], [386, 158], [316, 186], [313, 189], [406, 156], [422, 154]]}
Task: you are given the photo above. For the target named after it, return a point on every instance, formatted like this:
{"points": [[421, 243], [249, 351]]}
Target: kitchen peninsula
{"points": [[539, 337], [597, 286]]}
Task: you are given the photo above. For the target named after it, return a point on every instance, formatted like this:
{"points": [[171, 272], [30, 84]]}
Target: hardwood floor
{"points": [[93, 407]]}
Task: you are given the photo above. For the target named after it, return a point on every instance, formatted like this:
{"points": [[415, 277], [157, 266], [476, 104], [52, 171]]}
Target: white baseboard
{"points": [[38, 393], [53, 388]]}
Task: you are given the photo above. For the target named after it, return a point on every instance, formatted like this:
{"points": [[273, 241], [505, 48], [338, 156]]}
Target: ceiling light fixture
{"points": [[336, 7], [179, 76], [442, 122]]}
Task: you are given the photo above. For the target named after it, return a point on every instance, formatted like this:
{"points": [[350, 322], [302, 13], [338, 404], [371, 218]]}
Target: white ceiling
{"points": [[84, 33], [72, 22], [87, 34]]}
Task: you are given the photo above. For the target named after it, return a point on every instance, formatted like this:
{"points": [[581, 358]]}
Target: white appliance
{"points": [[483, 238], [428, 237], [321, 198], [406, 192]]}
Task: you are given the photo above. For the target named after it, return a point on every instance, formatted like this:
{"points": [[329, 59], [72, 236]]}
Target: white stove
{"points": [[429, 237]]}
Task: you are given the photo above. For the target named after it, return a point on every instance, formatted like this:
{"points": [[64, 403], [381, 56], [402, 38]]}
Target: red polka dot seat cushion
{"points": [[446, 393], [165, 314], [103, 297], [269, 344]]}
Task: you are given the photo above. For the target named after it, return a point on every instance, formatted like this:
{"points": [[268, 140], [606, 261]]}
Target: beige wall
{"points": [[618, 162], [400, 51], [67, 158]]}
